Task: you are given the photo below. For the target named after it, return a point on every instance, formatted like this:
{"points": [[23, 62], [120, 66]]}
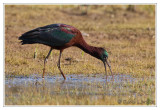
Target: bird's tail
{"points": [[30, 37]]}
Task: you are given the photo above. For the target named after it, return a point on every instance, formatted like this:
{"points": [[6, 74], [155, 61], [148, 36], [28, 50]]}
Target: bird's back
{"points": [[52, 35]]}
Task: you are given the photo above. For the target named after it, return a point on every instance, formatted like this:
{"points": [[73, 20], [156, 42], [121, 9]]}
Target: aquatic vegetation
{"points": [[79, 90]]}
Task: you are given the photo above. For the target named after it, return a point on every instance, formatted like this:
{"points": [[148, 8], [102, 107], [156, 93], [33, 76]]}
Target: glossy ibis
{"points": [[60, 37]]}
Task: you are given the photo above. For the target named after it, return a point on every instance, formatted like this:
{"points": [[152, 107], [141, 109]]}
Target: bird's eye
{"points": [[105, 57]]}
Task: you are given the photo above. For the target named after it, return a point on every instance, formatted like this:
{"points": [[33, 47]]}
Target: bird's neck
{"points": [[93, 51]]}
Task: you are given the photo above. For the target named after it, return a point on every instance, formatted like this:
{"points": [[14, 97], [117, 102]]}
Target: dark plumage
{"points": [[51, 35], [61, 36]]}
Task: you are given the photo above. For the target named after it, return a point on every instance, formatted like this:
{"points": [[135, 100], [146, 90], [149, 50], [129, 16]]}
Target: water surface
{"points": [[77, 85]]}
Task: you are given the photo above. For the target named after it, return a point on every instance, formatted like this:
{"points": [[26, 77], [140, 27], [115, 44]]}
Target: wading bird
{"points": [[60, 37]]}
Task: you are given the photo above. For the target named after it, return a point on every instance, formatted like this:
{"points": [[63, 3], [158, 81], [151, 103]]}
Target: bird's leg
{"points": [[45, 60], [58, 64]]}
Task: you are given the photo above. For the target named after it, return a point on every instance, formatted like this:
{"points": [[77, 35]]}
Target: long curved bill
{"points": [[109, 68]]}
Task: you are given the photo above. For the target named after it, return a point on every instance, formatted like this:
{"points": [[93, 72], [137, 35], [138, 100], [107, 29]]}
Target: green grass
{"points": [[129, 38]]}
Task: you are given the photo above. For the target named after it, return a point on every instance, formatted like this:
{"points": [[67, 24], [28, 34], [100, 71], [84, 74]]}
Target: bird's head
{"points": [[104, 55], [104, 59]]}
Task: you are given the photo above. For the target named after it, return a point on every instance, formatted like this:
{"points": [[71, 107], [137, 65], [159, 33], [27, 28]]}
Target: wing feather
{"points": [[56, 35]]}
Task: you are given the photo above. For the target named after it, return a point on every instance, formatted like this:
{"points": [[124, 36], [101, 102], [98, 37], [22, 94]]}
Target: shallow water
{"points": [[94, 85], [79, 81], [71, 80]]}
